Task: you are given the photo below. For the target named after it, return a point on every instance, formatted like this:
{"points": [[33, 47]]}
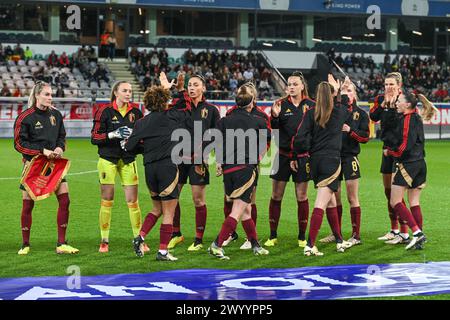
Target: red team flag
{"points": [[43, 176]]}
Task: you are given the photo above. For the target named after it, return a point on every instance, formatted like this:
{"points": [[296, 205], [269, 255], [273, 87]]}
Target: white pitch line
{"points": [[69, 174]]}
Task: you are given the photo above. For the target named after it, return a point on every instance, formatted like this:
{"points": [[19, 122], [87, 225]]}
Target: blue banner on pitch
{"points": [[336, 282]]}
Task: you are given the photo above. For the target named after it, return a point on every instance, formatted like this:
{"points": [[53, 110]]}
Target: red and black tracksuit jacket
{"points": [[152, 134], [203, 113], [240, 119], [108, 119], [411, 146], [259, 113], [389, 119], [320, 141], [36, 130], [288, 122], [358, 121]]}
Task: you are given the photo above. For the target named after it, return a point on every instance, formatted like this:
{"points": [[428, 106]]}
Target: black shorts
{"points": [[162, 179], [285, 172], [240, 184], [387, 164], [198, 174], [350, 168], [411, 174], [325, 172]]}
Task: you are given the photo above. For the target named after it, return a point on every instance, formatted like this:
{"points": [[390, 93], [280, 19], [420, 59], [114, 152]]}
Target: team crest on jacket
{"points": [[204, 113], [131, 117], [356, 116], [53, 120], [305, 108]]}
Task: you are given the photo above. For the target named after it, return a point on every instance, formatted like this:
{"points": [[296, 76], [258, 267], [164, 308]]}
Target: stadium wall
{"points": [[78, 115]]}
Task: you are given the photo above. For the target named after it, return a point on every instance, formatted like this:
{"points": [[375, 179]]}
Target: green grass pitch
{"points": [[83, 231]]}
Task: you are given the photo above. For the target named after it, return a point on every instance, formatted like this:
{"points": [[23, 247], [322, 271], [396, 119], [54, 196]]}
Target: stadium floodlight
{"points": [[448, 29], [291, 41], [392, 32], [417, 33], [267, 44], [369, 35], [346, 38], [140, 11], [147, 31], [316, 39]]}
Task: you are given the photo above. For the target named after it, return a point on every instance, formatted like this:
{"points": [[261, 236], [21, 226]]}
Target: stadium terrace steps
{"points": [[120, 70]]}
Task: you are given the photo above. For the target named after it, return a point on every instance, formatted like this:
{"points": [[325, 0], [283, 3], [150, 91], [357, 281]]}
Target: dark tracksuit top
{"points": [[389, 119], [288, 122], [411, 146], [152, 135], [36, 130], [259, 113], [108, 119], [358, 121], [205, 113], [320, 141], [235, 120]]}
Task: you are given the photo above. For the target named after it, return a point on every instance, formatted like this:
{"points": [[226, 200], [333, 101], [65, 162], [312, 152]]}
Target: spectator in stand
{"points": [[248, 75], [92, 55], [28, 54], [17, 93], [18, 51], [5, 92], [147, 82], [154, 61], [59, 92], [440, 94], [2, 56], [8, 52], [52, 59], [134, 54], [63, 60]]}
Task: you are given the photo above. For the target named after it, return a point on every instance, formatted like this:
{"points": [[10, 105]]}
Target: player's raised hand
{"points": [[336, 84], [276, 109], [164, 81]]}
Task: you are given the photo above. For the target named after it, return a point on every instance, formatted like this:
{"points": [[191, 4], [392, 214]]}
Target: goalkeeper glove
{"points": [[122, 144], [121, 133]]}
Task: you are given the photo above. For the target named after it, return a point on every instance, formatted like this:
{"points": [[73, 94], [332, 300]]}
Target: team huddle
{"points": [[317, 140]]}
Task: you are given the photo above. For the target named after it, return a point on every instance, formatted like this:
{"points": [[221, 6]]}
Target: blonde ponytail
{"points": [[428, 109], [37, 89]]}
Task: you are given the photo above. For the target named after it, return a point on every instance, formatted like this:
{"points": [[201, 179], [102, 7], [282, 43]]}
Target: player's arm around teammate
{"points": [[320, 134], [354, 132], [112, 124], [40, 130], [203, 116], [384, 111], [239, 170], [411, 171]]}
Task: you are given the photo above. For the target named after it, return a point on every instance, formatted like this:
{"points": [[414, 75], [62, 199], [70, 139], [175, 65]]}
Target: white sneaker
{"points": [[388, 236], [308, 251], [328, 239], [344, 245], [247, 245], [354, 241], [417, 241], [398, 239], [260, 251]]}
